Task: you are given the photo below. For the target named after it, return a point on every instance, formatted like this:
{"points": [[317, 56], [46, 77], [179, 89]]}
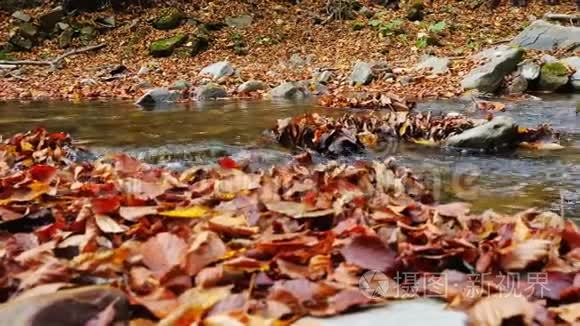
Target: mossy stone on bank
{"points": [[169, 18], [165, 47], [553, 75]]}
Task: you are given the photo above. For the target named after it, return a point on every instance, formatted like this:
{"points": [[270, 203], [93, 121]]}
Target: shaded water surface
{"points": [[184, 135]]}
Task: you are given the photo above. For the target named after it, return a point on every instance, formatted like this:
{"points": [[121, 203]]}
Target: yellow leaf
{"points": [[404, 128], [425, 142], [190, 212]]}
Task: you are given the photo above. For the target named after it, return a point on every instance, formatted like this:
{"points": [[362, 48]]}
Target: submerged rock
{"points": [[553, 76], [362, 73], [252, 86], [165, 47], [290, 90], [67, 307], [158, 97], [169, 18], [497, 133], [487, 78], [541, 35], [210, 92], [218, 70]]}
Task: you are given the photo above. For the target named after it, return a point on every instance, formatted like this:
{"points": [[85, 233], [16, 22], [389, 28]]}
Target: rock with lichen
{"points": [[553, 75], [169, 18], [165, 47]]}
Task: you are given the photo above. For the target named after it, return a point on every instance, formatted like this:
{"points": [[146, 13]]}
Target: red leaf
{"points": [[105, 205], [228, 163], [42, 173]]}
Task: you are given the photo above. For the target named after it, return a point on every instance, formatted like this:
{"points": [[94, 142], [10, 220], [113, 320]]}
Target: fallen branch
{"points": [[54, 62], [564, 17]]}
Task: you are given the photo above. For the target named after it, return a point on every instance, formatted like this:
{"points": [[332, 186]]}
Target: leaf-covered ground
{"points": [[279, 30], [227, 245]]}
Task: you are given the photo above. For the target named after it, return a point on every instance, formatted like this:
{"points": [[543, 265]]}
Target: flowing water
{"points": [[198, 134]]}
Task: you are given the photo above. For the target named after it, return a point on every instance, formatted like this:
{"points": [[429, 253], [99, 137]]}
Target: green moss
{"points": [[357, 26], [169, 18], [555, 69], [165, 47]]}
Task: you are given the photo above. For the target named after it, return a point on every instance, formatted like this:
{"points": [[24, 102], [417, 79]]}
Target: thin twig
{"points": [[54, 62]]}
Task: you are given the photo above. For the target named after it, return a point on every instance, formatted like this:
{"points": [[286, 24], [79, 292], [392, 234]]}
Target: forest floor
{"points": [[278, 30]]}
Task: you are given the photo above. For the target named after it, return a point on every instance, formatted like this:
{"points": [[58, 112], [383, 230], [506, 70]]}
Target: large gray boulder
{"points": [[218, 70], [487, 78], [574, 63], [541, 35], [290, 90], [158, 97], [497, 133], [362, 73], [210, 92], [67, 308]]}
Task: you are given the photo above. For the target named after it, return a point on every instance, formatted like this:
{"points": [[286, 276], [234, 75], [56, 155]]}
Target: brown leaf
{"points": [[369, 252], [296, 210], [569, 313], [236, 226], [163, 252]]}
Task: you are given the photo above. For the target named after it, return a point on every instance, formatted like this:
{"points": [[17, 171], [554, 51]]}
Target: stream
{"points": [[185, 135]]}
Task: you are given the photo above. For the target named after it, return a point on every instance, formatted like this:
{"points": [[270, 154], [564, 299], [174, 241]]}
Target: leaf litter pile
{"points": [[352, 133], [227, 245]]}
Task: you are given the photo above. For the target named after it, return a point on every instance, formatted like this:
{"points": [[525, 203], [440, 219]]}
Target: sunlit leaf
{"points": [[190, 212]]}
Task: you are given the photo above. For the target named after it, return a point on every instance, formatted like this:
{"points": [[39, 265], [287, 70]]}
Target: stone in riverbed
{"points": [[529, 70], [25, 36], [210, 92], [574, 63], [242, 21], [362, 73], [218, 70], [180, 85], [488, 77], [66, 307], [497, 133], [290, 90], [323, 76], [165, 47], [22, 16], [553, 75], [541, 35], [437, 65], [158, 97], [48, 20], [169, 18], [252, 86]]}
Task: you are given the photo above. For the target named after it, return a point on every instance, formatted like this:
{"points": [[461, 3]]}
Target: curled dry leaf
{"points": [[297, 210], [207, 248], [107, 225], [519, 256], [493, 310], [133, 213]]}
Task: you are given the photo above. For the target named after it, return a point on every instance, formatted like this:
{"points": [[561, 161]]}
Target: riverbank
{"points": [[281, 42]]}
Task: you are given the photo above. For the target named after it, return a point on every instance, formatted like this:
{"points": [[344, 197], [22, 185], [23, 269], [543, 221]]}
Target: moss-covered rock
{"points": [[553, 75], [415, 10], [169, 18], [88, 34], [165, 47], [25, 36]]}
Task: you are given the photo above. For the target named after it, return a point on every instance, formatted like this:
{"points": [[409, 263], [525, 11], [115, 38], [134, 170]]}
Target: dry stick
{"points": [[54, 62], [564, 17]]}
